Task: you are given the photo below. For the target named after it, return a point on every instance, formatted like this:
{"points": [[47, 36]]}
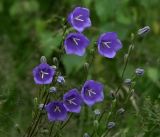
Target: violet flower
{"points": [[56, 111], [109, 44], [79, 19], [43, 74], [76, 43], [72, 101], [92, 92]]}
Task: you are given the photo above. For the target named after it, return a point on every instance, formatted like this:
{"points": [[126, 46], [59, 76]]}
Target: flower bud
{"points": [[139, 71], [43, 59], [96, 123], [128, 82], [35, 101], [52, 89], [54, 67], [61, 80], [86, 135], [144, 31], [120, 111], [111, 125], [41, 106], [97, 112], [55, 61], [18, 128], [86, 66]]}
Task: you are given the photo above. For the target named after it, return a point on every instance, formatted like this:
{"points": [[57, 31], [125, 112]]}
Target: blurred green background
{"points": [[32, 28]]}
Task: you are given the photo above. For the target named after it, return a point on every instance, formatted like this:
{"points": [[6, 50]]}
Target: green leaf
{"points": [[72, 63]]}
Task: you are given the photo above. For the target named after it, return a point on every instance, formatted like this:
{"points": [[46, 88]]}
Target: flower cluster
{"points": [[91, 93], [76, 43]]}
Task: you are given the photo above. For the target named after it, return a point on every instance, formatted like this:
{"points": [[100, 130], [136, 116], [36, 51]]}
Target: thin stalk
{"points": [[63, 125], [39, 117], [51, 129]]}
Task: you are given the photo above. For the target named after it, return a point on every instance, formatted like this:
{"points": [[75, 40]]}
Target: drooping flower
{"points": [[92, 92], [79, 19], [76, 43], [43, 74], [72, 101], [109, 44], [56, 111], [60, 79]]}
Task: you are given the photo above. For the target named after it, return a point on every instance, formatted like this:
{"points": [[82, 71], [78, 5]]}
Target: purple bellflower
{"points": [[79, 19], [56, 111], [72, 101], [43, 74], [76, 43], [92, 92], [109, 44]]}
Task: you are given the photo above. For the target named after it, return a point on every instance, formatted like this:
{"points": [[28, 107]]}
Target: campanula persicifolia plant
{"points": [[57, 104]]}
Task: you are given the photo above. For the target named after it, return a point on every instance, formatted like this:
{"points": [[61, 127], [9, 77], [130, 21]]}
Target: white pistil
{"points": [[71, 101], [106, 44], [76, 41], [90, 92], [43, 73], [57, 109], [78, 18]]}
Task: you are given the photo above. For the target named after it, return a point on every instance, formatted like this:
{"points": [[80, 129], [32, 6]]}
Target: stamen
{"points": [[57, 109], [71, 101], [76, 41], [91, 91], [78, 18], [43, 73], [106, 44]]}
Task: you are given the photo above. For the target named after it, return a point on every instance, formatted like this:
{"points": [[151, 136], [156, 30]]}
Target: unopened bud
{"points": [[128, 82], [96, 123], [139, 71], [86, 135], [61, 80], [55, 61], [143, 31], [43, 59], [120, 111], [86, 66], [41, 106], [111, 125], [35, 101], [97, 112], [52, 89]]}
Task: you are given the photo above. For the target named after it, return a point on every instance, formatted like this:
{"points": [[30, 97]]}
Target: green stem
{"points": [[39, 117], [63, 125], [51, 129], [125, 66]]}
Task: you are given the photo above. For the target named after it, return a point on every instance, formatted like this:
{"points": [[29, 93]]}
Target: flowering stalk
{"points": [[114, 102]]}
